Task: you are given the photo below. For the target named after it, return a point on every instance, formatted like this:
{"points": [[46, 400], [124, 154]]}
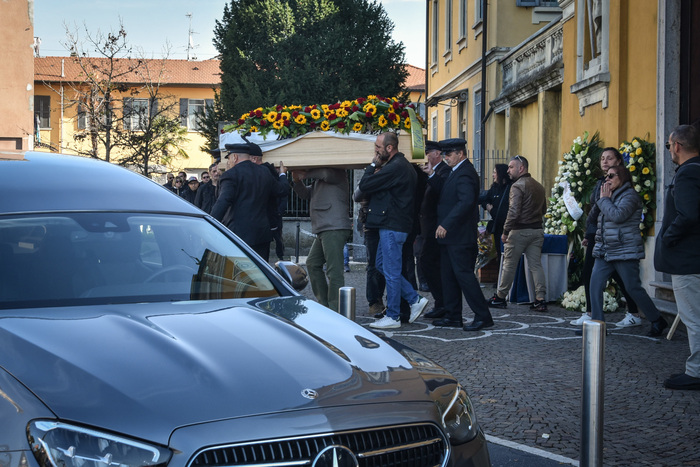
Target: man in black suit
{"points": [[247, 192], [429, 259], [458, 215]]}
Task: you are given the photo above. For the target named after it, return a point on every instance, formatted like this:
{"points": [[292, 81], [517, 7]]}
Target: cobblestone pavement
{"points": [[524, 376]]}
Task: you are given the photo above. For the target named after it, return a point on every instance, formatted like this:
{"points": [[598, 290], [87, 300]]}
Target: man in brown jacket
{"points": [[523, 233]]}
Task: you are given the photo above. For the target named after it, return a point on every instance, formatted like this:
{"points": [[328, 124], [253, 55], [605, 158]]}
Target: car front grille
{"points": [[396, 446]]}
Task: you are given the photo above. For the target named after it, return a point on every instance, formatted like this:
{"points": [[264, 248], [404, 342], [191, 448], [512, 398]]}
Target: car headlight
{"points": [[57, 444], [458, 417]]}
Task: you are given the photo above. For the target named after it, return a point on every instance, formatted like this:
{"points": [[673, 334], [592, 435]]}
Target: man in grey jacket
{"points": [[523, 233], [329, 196]]}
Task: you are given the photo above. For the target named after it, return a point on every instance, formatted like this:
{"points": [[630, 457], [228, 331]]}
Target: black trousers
{"points": [[458, 278], [375, 279], [430, 265]]}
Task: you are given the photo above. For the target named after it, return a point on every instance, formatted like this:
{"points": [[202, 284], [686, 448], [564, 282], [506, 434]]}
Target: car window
{"points": [[87, 258]]}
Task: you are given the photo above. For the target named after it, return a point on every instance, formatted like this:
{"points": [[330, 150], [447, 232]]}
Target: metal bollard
{"points": [[296, 249], [346, 302], [592, 394]]}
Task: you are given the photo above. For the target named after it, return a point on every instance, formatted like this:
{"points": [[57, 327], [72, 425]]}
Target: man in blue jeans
{"points": [[390, 182]]}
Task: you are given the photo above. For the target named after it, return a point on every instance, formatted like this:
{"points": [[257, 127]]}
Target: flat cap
{"points": [[453, 144], [432, 145]]}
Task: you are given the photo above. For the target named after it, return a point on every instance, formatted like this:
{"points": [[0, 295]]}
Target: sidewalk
{"points": [[524, 378]]}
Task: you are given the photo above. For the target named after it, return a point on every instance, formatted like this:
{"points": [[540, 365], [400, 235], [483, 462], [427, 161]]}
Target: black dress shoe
{"points": [[477, 325], [683, 382], [435, 313], [657, 327], [447, 323]]}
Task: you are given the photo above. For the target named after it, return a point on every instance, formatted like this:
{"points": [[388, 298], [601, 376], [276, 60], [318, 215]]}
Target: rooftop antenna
{"points": [[190, 43]]}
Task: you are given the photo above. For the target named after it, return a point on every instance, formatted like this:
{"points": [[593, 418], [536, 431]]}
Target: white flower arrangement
{"points": [[576, 301]]}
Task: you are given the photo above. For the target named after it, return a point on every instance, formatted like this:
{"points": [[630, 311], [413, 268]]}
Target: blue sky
{"points": [[150, 24]]}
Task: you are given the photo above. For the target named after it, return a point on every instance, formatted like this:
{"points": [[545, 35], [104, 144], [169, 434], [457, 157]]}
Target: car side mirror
{"points": [[297, 276]]}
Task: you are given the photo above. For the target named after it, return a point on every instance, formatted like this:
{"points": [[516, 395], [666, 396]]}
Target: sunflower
{"points": [[382, 122], [286, 115], [407, 123], [278, 124], [315, 114], [369, 107], [357, 126], [271, 116], [325, 126], [300, 120]]}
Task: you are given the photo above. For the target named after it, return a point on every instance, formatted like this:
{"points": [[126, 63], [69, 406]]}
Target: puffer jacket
{"points": [[618, 237]]}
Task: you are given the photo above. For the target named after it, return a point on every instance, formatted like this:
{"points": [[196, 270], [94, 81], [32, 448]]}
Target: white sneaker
{"points": [[629, 321], [386, 322], [579, 322], [417, 308]]}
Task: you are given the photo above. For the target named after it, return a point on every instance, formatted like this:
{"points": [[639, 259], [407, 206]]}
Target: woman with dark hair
{"points": [[619, 246], [495, 201], [610, 157]]}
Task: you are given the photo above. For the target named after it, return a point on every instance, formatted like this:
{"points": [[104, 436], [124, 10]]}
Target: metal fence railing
{"points": [[298, 207]]}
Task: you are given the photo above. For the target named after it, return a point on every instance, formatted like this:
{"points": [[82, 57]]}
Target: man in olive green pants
{"points": [[329, 196]]}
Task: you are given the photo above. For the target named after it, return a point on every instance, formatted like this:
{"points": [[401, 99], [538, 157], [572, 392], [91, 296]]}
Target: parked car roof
{"points": [[47, 182]]}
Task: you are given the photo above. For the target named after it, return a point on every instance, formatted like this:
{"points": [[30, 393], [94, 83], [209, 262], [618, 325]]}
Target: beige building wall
{"points": [[16, 74]]}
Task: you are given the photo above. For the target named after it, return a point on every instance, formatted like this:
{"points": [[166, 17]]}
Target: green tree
{"points": [[304, 52]]}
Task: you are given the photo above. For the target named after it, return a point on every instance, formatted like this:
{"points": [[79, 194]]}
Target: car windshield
{"points": [[93, 258]]}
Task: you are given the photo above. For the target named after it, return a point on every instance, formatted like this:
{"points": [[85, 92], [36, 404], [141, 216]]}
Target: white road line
{"points": [[531, 450]]}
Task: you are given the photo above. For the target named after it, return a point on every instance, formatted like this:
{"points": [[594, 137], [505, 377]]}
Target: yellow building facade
{"points": [[186, 87], [464, 77], [622, 68]]}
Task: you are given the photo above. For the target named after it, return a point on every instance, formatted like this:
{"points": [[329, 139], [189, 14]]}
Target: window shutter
{"points": [[154, 107], [82, 117], [208, 106], [128, 109], [183, 112]]}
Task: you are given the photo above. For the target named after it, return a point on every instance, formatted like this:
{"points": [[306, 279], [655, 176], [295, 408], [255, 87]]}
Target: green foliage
{"points": [[299, 51]]}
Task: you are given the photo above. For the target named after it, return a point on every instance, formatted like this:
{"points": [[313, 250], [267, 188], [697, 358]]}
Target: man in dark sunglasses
{"points": [[677, 252], [523, 233]]}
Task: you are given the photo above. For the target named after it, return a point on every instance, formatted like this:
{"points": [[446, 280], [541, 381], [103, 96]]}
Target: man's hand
{"points": [[283, 168], [427, 168], [440, 232], [504, 238], [489, 207], [584, 242]]}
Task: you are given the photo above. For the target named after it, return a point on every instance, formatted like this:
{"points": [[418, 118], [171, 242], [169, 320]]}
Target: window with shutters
{"points": [[190, 108], [42, 110], [136, 114], [448, 123]]}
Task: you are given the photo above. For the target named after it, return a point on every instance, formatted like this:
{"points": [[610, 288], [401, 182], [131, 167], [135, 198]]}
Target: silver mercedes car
{"points": [[137, 331]]}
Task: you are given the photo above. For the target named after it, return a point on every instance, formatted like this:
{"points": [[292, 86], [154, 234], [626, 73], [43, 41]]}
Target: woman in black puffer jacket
{"points": [[619, 246], [495, 201]]}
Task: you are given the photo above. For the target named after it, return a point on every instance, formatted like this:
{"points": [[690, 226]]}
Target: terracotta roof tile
{"points": [[184, 72], [416, 78]]}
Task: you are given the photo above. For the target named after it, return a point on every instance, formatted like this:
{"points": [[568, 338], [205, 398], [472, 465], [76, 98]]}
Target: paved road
{"points": [[524, 376]]}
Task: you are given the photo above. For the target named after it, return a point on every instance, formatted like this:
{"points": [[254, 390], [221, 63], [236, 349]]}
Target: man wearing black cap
{"points": [[458, 216], [391, 190], [429, 258], [246, 192]]}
